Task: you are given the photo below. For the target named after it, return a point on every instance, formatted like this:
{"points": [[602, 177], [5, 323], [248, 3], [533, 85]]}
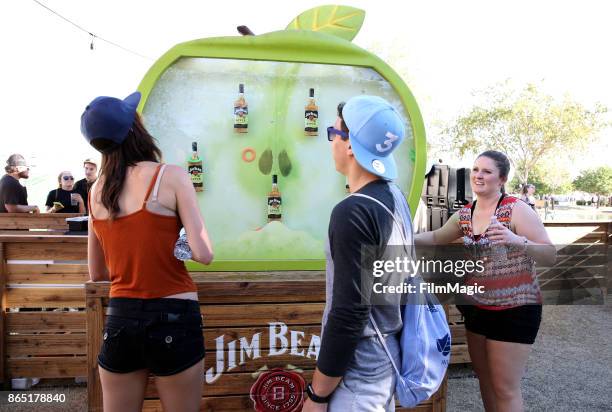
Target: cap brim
{"points": [[132, 100], [367, 161]]}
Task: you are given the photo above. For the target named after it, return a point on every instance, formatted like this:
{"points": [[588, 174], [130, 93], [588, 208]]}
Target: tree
{"points": [[527, 125], [598, 181]]}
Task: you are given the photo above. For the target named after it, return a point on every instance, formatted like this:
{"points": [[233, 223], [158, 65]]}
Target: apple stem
{"points": [[245, 31]]}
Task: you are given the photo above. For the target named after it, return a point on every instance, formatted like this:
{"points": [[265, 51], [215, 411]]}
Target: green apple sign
{"points": [[188, 95]]}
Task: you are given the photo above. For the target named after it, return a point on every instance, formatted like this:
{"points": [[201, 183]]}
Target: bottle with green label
{"points": [[241, 112], [194, 167], [311, 116], [274, 201]]}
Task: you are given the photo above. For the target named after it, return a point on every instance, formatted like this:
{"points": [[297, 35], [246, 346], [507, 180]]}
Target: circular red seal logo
{"points": [[278, 390]]}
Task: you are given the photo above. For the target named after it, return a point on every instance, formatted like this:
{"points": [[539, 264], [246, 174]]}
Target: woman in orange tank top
{"points": [[137, 208]]}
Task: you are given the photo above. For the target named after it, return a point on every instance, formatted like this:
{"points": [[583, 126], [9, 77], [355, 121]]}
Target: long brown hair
{"points": [[139, 146]]}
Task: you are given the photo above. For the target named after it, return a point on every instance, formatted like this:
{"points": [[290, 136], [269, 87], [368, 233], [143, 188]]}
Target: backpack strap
{"points": [[400, 226], [384, 344]]}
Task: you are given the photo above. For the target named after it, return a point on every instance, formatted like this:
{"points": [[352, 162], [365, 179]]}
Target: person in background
{"points": [[14, 196], [65, 199], [83, 186], [527, 195], [136, 209]]}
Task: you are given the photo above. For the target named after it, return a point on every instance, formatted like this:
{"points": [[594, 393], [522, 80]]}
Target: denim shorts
{"points": [[161, 335], [369, 383]]}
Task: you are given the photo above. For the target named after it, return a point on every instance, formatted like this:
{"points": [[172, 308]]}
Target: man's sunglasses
{"points": [[68, 177], [332, 132]]}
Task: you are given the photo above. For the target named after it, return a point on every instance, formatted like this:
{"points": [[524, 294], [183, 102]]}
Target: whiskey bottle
{"points": [[194, 167], [241, 112], [274, 201], [311, 116]]}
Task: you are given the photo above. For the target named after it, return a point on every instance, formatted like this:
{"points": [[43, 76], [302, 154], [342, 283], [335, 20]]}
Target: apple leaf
{"points": [[341, 21]]}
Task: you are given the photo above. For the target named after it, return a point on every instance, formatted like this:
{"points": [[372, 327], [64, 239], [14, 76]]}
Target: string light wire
{"points": [[93, 35]]}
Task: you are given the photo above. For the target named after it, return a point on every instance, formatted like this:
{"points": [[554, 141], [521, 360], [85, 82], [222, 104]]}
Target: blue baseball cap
{"points": [[375, 131], [106, 121]]}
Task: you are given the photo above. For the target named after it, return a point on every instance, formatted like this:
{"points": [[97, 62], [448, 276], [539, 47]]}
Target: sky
{"points": [[449, 49]]}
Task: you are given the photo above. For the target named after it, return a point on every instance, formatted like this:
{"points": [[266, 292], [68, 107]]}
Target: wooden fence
{"points": [[282, 311]]}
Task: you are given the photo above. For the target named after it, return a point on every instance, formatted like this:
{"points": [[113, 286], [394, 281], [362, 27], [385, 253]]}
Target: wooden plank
{"points": [[236, 333], [252, 365], [46, 251], [235, 403], [459, 354], [95, 325], [226, 287], [227, 384], [28, 322], [44, 269], [47, 344], [3, 332], [35, 221], [48, 279], [241, 403], [250, 292], [47, 367], [257, 315], [45, 297]]}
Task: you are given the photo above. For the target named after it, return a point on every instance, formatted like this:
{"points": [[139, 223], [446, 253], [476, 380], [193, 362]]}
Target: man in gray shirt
{"points": [[353, 371]]}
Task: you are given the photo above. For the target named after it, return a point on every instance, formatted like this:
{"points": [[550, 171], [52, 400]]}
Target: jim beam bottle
{"points": [[241, 112], [274, 201], [194, 167], [311, 116]]}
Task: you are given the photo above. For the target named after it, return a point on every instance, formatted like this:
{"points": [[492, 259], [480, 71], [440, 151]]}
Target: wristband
{"points": [[316, 398]]}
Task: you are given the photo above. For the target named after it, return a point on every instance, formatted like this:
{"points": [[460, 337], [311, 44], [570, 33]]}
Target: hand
{"points": [[78, 198], [310, 406], [35, 209], [501, 235]]}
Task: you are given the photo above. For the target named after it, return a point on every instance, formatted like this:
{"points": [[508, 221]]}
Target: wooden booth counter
{"points": [[253, 323]]}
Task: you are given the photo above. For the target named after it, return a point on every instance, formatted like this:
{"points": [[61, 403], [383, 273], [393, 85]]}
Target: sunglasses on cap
{"points": [[68, 177]]}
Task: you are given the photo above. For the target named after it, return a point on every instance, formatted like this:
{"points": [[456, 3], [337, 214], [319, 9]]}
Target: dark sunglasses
{"points": [[68, 177], [332, 132]]}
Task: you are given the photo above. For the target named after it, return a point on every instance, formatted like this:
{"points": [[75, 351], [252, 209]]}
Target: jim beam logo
{"points": [[282, 340], [278, 390]]}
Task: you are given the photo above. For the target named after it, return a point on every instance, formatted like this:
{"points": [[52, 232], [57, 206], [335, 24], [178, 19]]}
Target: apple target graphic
{"points": [[193, 101]]}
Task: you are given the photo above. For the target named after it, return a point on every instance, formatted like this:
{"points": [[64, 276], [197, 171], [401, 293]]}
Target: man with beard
{"points": [[14, 196], [83, 186]]}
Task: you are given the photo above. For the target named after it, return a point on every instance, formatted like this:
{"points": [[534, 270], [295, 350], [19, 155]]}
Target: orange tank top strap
{"points": [[151, 185]]}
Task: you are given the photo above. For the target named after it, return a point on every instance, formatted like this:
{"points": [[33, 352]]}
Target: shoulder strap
{"points": [[384, 345], [157, 183], [144, 202], [400, 226]]}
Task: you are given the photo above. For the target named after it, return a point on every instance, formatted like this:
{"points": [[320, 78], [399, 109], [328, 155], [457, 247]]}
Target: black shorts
{"points": [[161, 335], [519, 324]]}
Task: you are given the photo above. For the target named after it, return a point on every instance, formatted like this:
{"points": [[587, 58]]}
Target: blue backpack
{"points": [[425, 341]]}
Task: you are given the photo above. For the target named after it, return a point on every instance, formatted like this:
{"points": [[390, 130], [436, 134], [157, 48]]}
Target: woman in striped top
{"points": [[503, 321]]}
